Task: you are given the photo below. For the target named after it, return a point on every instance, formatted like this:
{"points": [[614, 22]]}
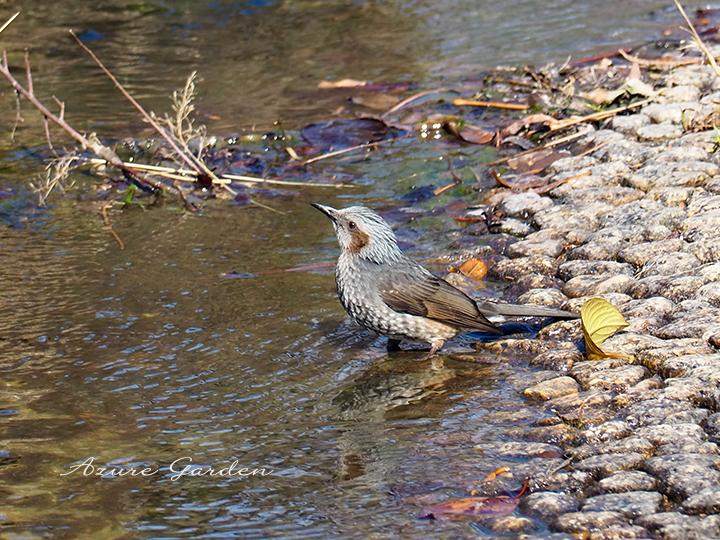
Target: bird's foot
{"points": [[435, 347]]}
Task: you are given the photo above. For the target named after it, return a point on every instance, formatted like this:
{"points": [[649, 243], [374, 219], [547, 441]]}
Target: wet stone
{"points": [[631, 503], [523, 204], [515, 227], [684, 475], [616, 299], [543, 297], [677, 526], [579, 522], [617, 378], [549, 504], [706, 501], [571, 269], [670, 263], [596, 285], [670, 433], [609, 431], [607, 464], [657, 306], [546, 242], [514, 268], [552, 388], [511, 524], [628, 481]]}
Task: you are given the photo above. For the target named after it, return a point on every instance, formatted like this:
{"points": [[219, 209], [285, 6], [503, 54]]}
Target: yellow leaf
{"points": [[600, 320], [474, 269]]}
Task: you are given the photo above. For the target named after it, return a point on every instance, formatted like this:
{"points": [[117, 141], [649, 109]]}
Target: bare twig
{"points": [[189, 159], [549, 144], [658, 63], [188, 175], [8, 22], [405, 102], [698, 40], [460, 102], [335, 153], [601, 115]]}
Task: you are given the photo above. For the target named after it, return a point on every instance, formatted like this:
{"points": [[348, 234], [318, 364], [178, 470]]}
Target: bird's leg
{"points": [[393, 345], [435, 347]]}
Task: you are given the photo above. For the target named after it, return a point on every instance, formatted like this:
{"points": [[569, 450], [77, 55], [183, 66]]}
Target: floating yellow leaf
{"points": [[600, 320], [474, 269]]}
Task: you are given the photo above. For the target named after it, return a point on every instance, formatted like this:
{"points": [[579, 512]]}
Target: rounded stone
{"points": [[628, 481], [552, 388]]}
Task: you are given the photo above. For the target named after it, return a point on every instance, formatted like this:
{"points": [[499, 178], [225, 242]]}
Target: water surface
{"points": [[146, 355]]}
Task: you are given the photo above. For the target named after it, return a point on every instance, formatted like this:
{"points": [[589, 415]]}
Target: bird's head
{"points": [[362, 233]]}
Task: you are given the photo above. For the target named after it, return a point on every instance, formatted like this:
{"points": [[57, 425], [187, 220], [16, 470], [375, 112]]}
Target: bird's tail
{"points": [[514, 310]]}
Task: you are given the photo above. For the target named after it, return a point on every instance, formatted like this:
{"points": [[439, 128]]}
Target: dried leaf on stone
{"points": [[600, 320], [469, 133], [526, 122], [534, 161], [474, 269], [342, 83]]}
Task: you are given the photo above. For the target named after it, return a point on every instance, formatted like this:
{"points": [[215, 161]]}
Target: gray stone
{"points": [[607, 464], [706, 501], [510, 269], [579, 522], [629, 124], [659, 132], [543, 297], [628, 481], [514, 227], [526, 203], [549, 504], [631, 504]]}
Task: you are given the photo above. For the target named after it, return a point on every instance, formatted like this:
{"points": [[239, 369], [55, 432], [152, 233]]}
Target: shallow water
{"points": [[147, 355]]}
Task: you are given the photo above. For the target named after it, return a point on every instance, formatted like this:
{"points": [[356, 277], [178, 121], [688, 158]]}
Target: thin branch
{"points": [[602, 115], [335, 153], [8, 22], [548, 144], [185, 155], [190, 176], [414, 97], [460, 102], [698, 40]]}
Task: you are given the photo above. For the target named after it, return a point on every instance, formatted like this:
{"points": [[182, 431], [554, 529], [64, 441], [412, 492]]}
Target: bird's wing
{"points": [[415, 291]]}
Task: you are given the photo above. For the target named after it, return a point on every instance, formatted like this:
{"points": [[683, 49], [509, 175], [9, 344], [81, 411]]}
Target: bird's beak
{"points": [[327, 210]]}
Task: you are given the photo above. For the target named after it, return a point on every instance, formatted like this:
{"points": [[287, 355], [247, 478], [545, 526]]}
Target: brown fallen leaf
{"points": [[474, 269], [342, 83], [535, 161], [475, 506], [469, 133], [526, 122]]}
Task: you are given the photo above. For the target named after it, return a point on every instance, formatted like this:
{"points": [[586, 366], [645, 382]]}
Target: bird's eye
{"points": [[352, 226]]}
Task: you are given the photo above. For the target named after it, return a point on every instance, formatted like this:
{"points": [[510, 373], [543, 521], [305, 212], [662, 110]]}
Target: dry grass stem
{"points": [[697, 39]]}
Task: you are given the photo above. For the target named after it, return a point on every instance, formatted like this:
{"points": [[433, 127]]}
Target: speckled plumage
{"points": [[387, 292]]}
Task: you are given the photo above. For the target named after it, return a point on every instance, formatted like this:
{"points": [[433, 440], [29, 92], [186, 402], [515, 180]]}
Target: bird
{"points": [[387, 292]]}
